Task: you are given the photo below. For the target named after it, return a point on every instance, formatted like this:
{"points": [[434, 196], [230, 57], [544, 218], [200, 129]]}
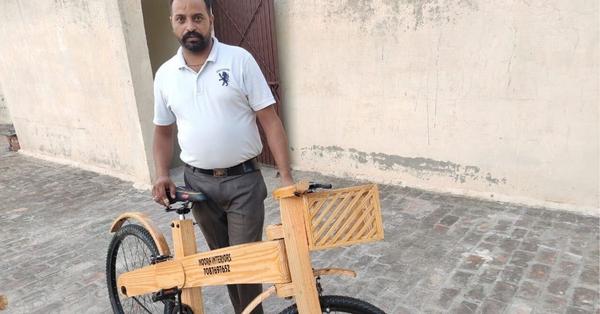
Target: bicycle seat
{"points": [[182, 194]]}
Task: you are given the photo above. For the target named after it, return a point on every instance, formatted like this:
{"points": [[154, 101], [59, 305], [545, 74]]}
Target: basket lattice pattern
{"points": [[342, 217]]}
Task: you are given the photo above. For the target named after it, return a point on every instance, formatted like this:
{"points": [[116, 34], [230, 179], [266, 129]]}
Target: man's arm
{"points": [[278, 142], [163, 153]]}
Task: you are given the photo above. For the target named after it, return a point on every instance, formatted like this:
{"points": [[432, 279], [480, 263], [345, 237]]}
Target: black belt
{"points": [[247, 166]]}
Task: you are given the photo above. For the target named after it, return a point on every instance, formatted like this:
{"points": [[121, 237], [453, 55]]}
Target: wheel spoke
{"points": [[133, 250], [141, 305]]}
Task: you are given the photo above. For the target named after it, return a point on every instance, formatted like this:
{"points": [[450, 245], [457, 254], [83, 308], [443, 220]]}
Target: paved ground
{"points": [[442, 254]]}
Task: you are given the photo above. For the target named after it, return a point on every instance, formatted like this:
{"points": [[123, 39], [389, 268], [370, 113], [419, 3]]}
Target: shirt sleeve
{"points": [[162, 113], [255, 86]]}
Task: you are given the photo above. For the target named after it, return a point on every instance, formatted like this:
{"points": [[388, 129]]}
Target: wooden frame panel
{"points": [[258, 262], [343, 217]]}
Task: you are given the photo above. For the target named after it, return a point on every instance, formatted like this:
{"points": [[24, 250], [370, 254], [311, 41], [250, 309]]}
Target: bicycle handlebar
{"points": [[184, 195]]}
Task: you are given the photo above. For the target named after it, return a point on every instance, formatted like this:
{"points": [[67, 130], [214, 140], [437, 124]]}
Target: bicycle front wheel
{"points": [[131, 248], [340, 304]]}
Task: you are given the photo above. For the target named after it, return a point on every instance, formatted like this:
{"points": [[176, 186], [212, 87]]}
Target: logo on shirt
{"points": [[223, 77]]}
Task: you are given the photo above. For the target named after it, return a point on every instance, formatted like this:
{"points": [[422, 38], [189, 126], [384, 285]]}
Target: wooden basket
{"points": [[342, 217]]}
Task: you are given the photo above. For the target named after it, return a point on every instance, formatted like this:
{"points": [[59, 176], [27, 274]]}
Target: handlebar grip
{"points": [[183, 195], [314, 186]]}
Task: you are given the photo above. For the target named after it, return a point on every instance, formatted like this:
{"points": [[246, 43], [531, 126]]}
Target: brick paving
{"points": [[441, 253]]}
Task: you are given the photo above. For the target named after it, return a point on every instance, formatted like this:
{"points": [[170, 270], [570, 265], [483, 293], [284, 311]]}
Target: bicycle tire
{"points": [[340, 304], [144, 244]]}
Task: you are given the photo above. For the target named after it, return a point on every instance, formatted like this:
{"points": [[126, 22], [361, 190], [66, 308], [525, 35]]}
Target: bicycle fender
{"points": [[146, 222]]}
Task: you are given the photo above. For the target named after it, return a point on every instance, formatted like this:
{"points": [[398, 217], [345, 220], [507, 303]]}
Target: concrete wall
{"points": [[162, 44], [69, 84], [497, 99], [4, 114]]}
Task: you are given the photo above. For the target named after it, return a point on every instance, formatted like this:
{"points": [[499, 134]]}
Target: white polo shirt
{"points": [[215, 108]]}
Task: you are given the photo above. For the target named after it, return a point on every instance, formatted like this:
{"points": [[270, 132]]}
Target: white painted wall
{"points": [[498, 99], [68, 82], [486, 98], [4, 114]]}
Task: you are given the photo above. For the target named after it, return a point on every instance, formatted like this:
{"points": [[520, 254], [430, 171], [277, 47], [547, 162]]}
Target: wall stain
{"points": [[355, 10], [418, 166], [383, 15], [76, 12]]}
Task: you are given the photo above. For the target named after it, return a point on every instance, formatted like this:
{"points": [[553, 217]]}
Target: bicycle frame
{"points": [[283, 260]]}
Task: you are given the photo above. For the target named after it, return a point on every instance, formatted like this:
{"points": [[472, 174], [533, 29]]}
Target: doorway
{"points": [[251, 24]]}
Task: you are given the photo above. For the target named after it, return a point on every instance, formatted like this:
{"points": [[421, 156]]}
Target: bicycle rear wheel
{"points": [[131, 248], [340, 304]]}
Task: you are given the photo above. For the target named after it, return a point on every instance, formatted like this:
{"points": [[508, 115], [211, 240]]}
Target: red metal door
{"points": [[251, 24]]}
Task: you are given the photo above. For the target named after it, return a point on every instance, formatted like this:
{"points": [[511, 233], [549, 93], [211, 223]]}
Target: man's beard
{"points": [[199, 45]]}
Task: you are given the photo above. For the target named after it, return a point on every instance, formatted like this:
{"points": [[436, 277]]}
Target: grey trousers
{"points": [[234, 215]]}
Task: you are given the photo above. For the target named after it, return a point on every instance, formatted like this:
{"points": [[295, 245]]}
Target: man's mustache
{"points": [[192, 34]]}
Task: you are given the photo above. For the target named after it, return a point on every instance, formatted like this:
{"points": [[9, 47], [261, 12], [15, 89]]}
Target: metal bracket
{"points": [[165, 294], [159, 259]]}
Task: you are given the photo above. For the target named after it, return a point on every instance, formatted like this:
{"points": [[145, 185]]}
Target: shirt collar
{"points": [[212, 56]]}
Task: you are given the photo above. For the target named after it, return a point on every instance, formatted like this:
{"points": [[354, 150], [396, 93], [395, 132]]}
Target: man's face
{"points": [[192, 24]]}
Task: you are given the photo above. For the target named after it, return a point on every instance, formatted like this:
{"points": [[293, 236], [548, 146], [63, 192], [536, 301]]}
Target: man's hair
{"points": [[208, 4]]}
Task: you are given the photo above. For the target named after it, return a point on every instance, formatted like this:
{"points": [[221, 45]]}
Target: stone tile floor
{"points": [[441, 253]]}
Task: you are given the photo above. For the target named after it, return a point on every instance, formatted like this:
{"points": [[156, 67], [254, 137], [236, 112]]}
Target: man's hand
{"points": [[278, 142], [286, 180], [161, 185], [163, 151]]}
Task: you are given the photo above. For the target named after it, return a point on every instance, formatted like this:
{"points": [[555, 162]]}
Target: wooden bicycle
{"points": [[143, 276]]}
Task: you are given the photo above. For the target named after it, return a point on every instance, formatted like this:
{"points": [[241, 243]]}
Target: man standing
{"points": [[215, 93]]}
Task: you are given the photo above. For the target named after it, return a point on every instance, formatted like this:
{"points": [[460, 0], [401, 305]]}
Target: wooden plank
{"points": [[344, 218], [274, 232], [184, 244], [258, 262], [258, 300], [347, 243], [284, 290], [315, 222], [304, 286], [157, 236], [357, 217], [377, 213], [292, 190], [311, 210], [334, 271], [335, 214], [152, 278], [315, 206]]}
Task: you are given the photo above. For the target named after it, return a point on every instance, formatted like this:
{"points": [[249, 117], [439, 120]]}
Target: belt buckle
{"points": [[219, 172]]}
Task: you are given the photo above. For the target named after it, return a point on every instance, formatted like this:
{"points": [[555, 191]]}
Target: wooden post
{"points": [[184, 243], [295, 237]]}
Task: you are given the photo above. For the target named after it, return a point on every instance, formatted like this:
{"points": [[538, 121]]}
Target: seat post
{"points": [[184, 244]]}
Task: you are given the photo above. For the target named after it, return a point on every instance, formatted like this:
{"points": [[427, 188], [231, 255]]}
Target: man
{"points": [[215, 93]]}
